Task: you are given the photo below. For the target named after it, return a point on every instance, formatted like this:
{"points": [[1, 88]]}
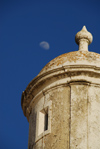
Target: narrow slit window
{"points": [[43, 121], [46, 122]]}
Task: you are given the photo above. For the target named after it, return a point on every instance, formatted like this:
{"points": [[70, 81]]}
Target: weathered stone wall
{"points": [[75, 118], [85, 117], [59, 136], [94, 117], [79, 119]]}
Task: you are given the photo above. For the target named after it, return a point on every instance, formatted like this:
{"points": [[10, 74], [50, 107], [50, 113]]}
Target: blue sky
{"points": [[23, 26]]}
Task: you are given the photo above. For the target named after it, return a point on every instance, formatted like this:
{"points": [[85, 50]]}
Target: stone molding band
{"points": [[63, 76]]}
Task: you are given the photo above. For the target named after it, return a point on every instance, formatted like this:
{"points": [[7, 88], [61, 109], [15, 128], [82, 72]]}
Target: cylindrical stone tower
{"points": [[62, 104]]}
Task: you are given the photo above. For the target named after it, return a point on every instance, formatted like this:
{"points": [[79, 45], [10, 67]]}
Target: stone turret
{"points": [[62, 104]]}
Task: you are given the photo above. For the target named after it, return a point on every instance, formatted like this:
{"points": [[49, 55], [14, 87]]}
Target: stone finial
{"points": [[83, 39]]}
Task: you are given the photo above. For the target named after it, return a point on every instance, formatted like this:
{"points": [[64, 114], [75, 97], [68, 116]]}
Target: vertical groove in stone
{"points": [[70, 116], [87, 114]]}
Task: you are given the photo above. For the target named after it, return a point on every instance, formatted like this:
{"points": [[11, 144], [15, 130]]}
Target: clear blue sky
{"points": [[23, 25]]}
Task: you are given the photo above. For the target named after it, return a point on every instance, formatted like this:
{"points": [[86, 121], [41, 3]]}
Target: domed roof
{"points": [[73, 58], [82, 56]]}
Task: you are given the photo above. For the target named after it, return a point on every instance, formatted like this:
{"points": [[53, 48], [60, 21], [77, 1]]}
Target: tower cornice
{"points": [[62, 76]]}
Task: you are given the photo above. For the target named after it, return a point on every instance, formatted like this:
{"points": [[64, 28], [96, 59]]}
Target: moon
{"points": [[45, 45]]}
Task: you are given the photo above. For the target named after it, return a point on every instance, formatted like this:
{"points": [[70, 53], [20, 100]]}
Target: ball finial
{"points": [[83, 39]]}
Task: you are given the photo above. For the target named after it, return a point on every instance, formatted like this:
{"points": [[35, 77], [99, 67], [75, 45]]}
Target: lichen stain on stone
{"points": [[71, 57]]}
